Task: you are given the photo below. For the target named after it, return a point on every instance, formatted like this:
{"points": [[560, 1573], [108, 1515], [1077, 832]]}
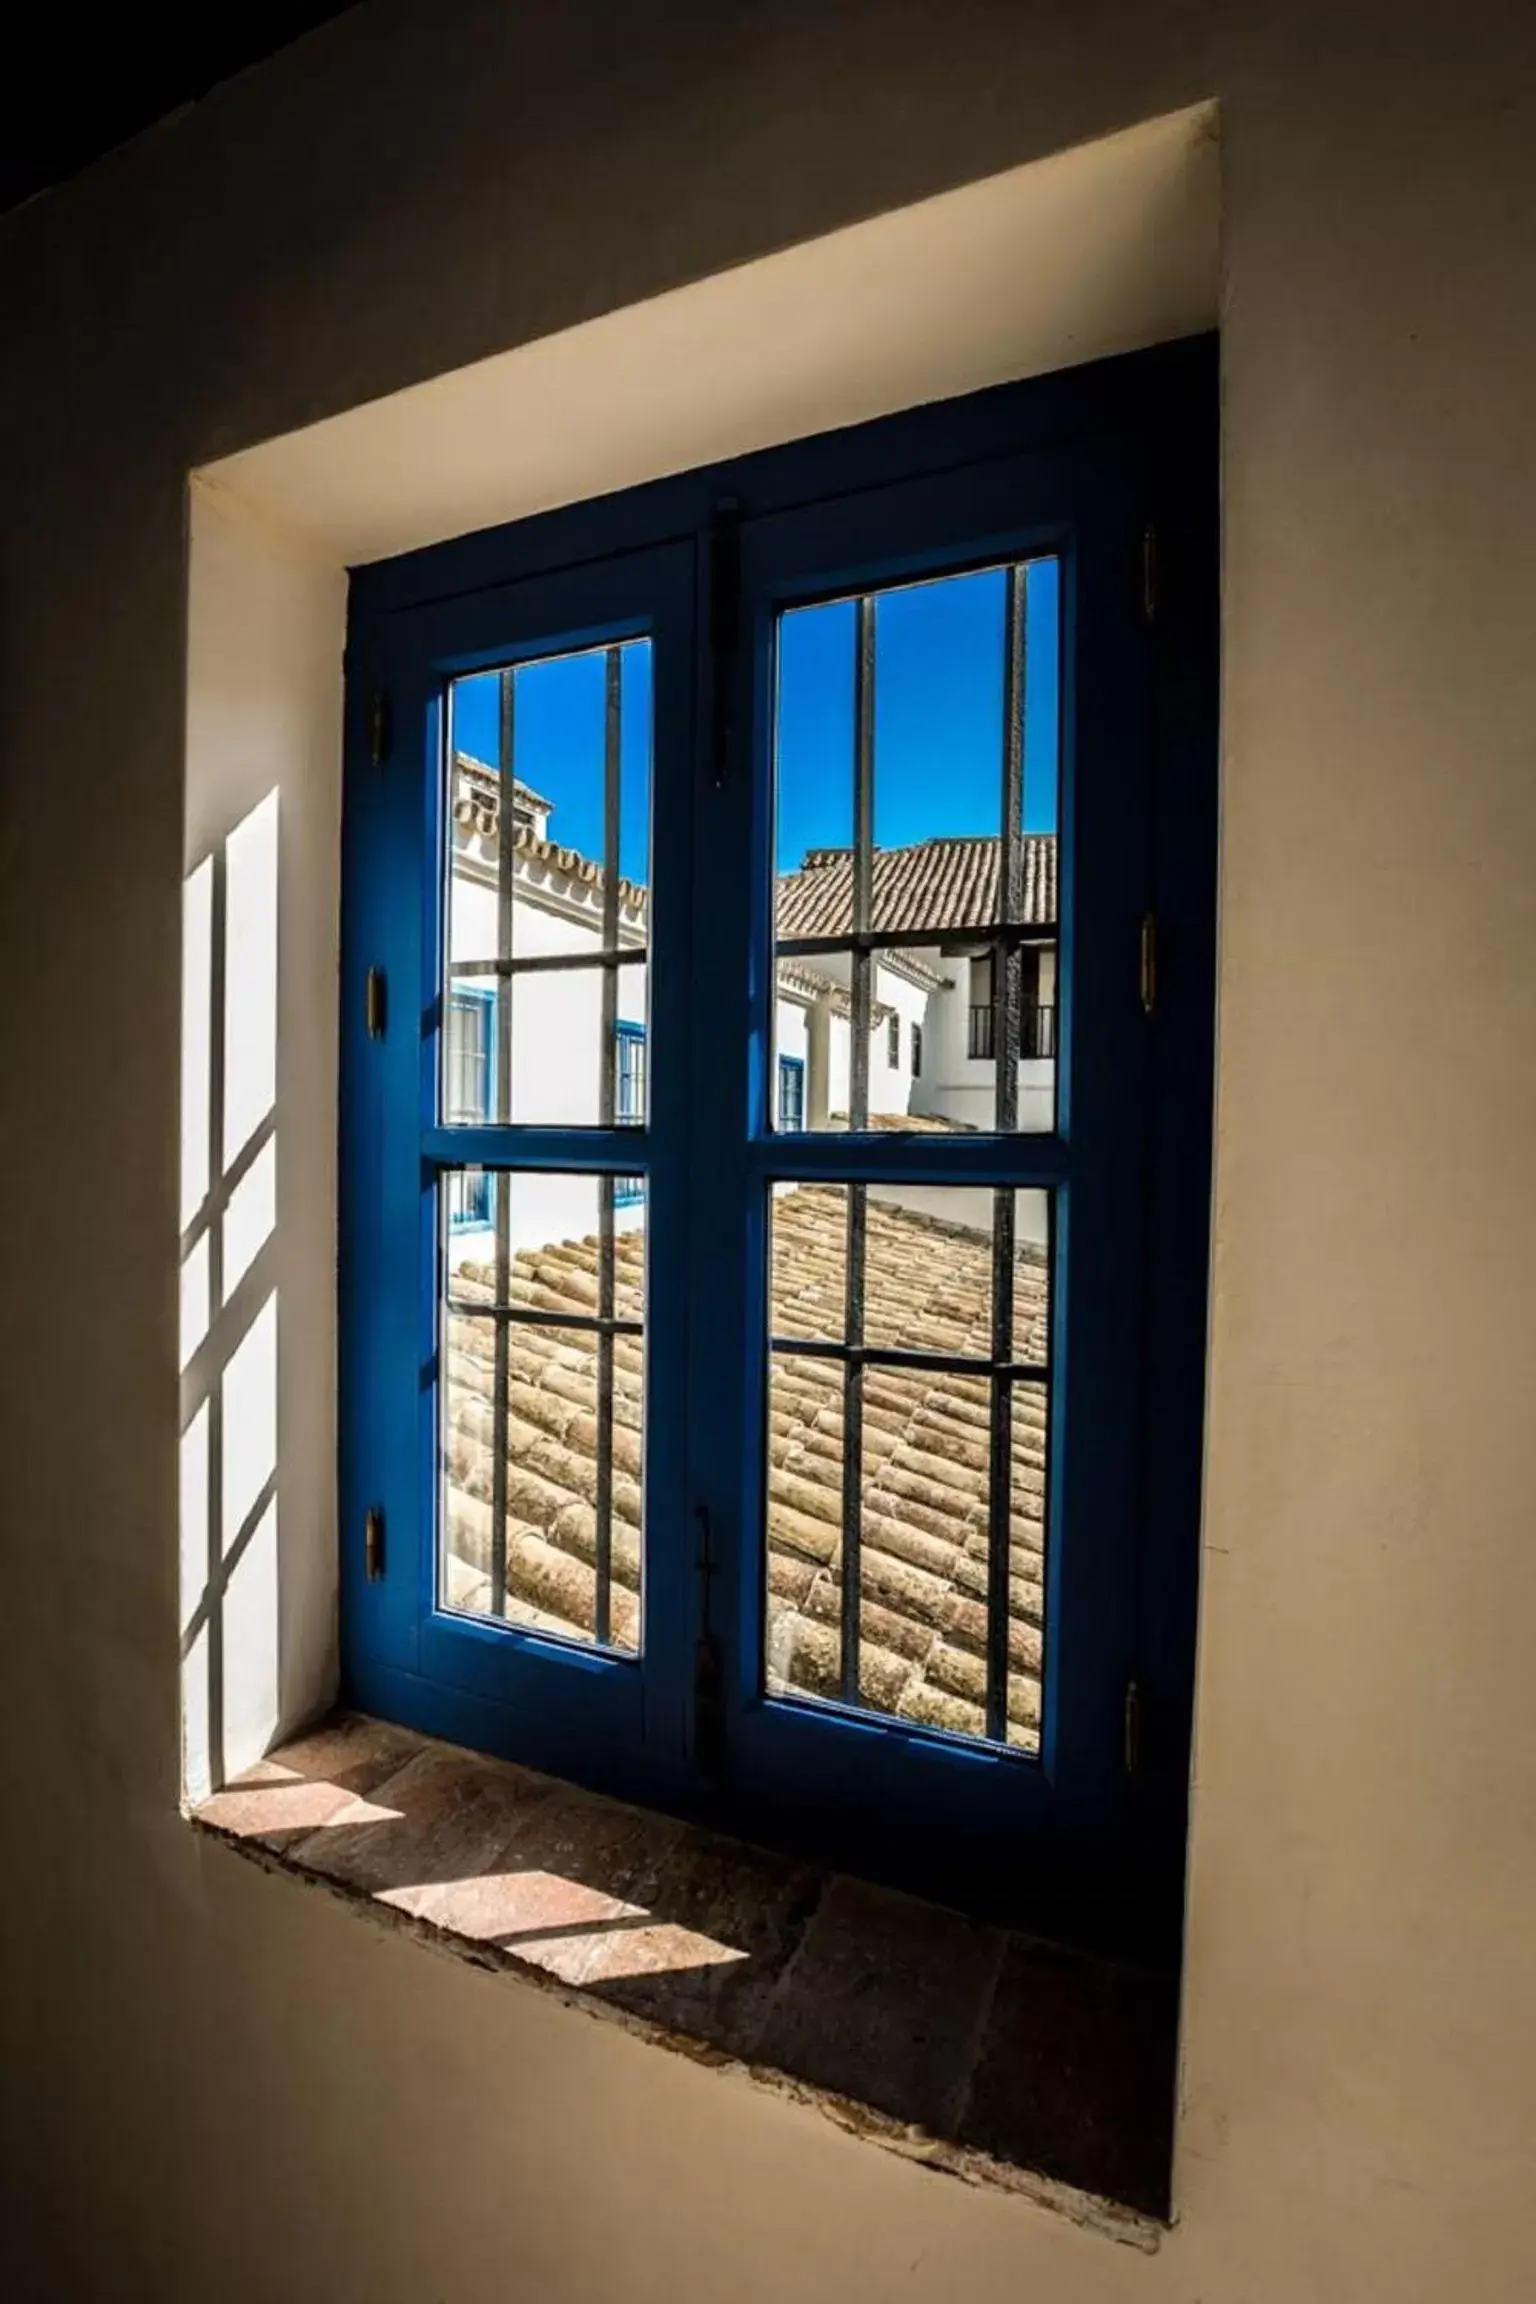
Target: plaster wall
{"points": [[216, 2084]]}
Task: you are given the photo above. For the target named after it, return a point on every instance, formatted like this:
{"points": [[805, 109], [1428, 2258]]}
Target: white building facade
{"points": [[931, 1062]]}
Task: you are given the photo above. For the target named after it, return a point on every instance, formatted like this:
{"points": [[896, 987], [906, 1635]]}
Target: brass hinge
{"points": [[1148, 962], [373, 1542], [1149, 574], [378, 727], [1132, 1733], [376, 1003]]}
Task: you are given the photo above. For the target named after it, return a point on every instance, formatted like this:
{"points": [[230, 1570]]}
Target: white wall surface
{"points": [[215, 2084], [789, 1030], [258, 1521]]}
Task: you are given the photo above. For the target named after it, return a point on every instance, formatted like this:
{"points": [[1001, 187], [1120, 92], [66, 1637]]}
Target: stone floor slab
{"points": [[283, 1799], [724, 1924], [440, 1818], [1076, 2075], [884, 2003], [575, 1871]]}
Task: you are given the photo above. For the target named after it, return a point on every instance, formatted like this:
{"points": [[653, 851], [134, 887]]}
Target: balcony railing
{"points": [[1037, 1033]]}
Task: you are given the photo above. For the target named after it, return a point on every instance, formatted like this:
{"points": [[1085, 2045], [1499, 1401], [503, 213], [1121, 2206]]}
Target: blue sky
{"points": [[938, 723], [557, 734]]}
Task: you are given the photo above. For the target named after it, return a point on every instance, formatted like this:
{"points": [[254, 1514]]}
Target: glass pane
{"points": [[542, 1392], [805, 1526], [549, 898], [928, 1254], [809, 1267], [916, 773], [1026, 1565], [949, 1576]]}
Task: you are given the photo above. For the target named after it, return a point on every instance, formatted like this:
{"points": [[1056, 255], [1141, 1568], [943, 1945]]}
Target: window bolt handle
{"points": [[708, 1663]]}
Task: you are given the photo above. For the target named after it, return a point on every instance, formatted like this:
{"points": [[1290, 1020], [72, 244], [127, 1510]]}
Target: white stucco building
{"points": [[931, 1029]]}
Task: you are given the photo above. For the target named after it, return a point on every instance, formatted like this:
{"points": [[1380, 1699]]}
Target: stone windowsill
{"points": [[973, 2050]]}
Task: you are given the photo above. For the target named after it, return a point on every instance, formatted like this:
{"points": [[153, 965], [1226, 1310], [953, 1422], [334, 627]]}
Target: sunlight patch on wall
{"points": [[229, 1342]]}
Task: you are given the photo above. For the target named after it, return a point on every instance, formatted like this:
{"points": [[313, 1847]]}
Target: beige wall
{"points": [[215, 2084], [266, 624]]}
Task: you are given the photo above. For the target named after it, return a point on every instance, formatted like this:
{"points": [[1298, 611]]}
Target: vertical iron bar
{"points": [[863, 860], [502, 1183], [858, 1117], [603, 1497], [1007, 970], [505, 835], [853, 1451], [1007, 960], [218, 945], [612, 734], [1000, 1467], [607, 1107]]}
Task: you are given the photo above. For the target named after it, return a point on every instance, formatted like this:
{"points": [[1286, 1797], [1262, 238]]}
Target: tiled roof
{"points": [[487, 781], [476, 810], [911, 1123], [811, 983], [924, 1551], [933, 885]]}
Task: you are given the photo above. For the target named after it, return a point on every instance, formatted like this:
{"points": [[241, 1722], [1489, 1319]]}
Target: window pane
{"points": [[916, 806], [809, 1267], [941, 1534], [1026, 1563], [929, 1255], [549, 897], [543, 1390]]}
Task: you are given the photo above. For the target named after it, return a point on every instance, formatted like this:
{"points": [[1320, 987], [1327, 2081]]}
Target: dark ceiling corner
{"points": [[82, 80]]}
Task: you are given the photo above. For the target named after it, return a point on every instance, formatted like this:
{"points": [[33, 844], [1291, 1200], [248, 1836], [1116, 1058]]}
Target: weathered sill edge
{"points": [[970, 2166]]}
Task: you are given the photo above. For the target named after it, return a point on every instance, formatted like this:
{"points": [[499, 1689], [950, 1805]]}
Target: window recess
{"points": [[770, 1428]]}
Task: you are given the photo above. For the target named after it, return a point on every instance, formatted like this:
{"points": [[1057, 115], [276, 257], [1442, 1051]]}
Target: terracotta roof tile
{"points": [[477, 810], [933, 885], [924, 1554]]}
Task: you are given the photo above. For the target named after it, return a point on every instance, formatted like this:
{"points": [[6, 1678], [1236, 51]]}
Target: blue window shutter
{"points": [[707, 1121]]}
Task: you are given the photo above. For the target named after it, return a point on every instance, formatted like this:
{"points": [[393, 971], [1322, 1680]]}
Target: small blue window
{"points": [[468, 1091], [792, 1094], [628, 1100]]}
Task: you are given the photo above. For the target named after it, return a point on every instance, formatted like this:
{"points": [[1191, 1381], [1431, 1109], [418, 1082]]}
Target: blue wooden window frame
{"points": [[629, 1098], [1084, 1840], [790, 1116]]}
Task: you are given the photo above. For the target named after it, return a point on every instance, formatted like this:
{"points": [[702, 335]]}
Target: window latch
{"points": [[376, 1004], [379, 727], [708, 1664], [373, 1543], [1149, 574], [1131, 1749], [1148, 962]]}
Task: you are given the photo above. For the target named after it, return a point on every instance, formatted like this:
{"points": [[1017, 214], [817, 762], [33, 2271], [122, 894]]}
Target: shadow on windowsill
{"points": [[969, 2048]]}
